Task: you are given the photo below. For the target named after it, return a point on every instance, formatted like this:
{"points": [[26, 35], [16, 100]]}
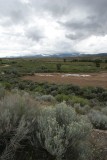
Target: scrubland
{"points": [[46, 121]]}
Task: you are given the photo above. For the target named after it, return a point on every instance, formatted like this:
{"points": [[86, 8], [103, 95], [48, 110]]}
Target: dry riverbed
{"points": [[92, 79]]}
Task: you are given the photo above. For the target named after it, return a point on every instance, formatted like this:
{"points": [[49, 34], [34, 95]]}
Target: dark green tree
{"points": [[58, 67], [97, 62], [64, 60]]}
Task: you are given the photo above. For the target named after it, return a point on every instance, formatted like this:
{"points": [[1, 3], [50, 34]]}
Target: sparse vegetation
{"points": [[98, 119], [56, 131], [50, 121]]}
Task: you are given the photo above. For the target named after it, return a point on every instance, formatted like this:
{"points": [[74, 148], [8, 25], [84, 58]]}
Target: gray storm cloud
{"points": [[85, 28], [58, 23], [34, 34], [94, 24]]}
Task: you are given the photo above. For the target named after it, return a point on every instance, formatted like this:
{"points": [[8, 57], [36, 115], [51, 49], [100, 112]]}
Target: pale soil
{"points": [[99, 141], [92, 79], [5, 66]]}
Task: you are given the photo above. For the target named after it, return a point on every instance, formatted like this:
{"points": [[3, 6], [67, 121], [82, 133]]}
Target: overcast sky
{"points": [[50, 26]]}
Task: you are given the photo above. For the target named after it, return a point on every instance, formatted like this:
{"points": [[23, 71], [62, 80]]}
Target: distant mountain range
{"points": [[99, 54], [62, 55], [59, 55], [56, 55]]}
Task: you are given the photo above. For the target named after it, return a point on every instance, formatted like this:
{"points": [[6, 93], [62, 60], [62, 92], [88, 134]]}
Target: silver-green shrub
{"points": [[98, 119], [46, 98], [55, 131], [16, 117], [2, 91], [104, 110], [83, 110], [20, 134], [79, 100], [60, 128]]}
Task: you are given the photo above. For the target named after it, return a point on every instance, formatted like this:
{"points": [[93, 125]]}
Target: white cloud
{"points": [[45, 26], [93, 44]]}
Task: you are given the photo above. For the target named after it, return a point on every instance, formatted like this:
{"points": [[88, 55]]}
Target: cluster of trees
{"points": [[97, 62]]}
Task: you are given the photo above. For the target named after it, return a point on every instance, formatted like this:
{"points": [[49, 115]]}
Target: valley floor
{"points": [[90, 79]]}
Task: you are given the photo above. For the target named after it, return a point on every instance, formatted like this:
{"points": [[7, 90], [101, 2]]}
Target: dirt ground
{"points": [[92, 79], [5, 66], [99, 141]]}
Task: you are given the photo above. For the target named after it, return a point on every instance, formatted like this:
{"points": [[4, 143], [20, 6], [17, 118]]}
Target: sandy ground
{"points": [[5, 66], [92, 79], [99, 140]]}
